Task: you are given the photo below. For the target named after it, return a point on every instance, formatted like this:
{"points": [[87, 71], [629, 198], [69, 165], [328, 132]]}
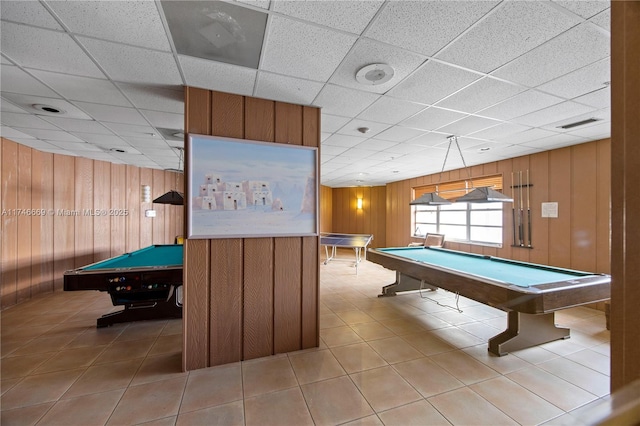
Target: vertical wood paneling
{"points": [[288, 119], [195, 308], [102, 200], [146, 223], [583, 199], [603, 206], [310, 289], [24, 224], [226, 301], [197, 110], [157, 189], [287, 294], [118, 201], [520, 165], [42, 226], [560, 192], [259, 119], [83, 203], [133, 203], [9, 223], [258, 298], [326, 209], [227, 115], [539, 176], [63, 228]]}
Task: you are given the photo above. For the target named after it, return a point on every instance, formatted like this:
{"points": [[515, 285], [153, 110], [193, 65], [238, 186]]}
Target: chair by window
{"points": [[430, 240]]}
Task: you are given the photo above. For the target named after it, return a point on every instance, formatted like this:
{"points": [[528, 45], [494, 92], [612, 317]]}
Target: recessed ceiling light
{"points": [[484, 149], [374, 74], [48, 108], [396, 171]]}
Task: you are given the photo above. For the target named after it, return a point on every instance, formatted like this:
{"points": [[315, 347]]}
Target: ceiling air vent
{"points": [[578, 123]]}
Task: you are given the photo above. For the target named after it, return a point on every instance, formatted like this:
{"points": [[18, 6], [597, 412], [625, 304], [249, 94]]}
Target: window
{"points": [[475, 223]]}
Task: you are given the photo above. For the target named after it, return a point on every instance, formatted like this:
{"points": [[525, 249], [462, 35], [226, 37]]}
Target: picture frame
{"points": [[239, 188]]}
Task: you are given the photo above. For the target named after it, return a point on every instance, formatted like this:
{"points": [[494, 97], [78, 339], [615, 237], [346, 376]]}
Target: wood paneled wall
{"points": [[253, 297], [371, 219], [577, 177], [326, 209], [625, 195], [45, 229]]}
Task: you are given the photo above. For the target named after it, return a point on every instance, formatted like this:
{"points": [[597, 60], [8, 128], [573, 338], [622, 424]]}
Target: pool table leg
{"points": [[526, 330], [404, 283]]}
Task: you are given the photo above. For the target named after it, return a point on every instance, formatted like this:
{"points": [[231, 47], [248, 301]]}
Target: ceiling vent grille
{"points": [[578, 123]]}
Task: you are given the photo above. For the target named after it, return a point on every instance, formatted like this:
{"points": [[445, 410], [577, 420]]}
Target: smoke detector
{"points": [[374, 74]]}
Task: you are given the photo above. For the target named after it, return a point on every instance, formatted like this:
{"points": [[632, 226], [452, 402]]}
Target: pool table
{"points": [[147, 282], [528, 292]]}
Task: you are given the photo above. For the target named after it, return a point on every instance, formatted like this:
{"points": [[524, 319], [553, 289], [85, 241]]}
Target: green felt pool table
{"points": [[529, 292], [147, 282]]}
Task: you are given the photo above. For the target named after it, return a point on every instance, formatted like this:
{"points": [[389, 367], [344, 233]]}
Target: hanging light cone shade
{"points": [[484, 195], [430, 199], [171, 197]]}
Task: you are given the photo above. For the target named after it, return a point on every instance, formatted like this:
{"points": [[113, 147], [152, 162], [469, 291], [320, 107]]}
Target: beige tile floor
{"points": [[402, 360]]}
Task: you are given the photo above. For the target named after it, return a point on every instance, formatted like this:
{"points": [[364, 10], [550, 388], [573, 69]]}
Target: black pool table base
{"points": [[144, 311]]}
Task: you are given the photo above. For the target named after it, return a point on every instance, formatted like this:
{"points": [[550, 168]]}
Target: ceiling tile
{"points": [[399, 134], [526, 136], [597, 99], [555, 141], [130, 131], [585, 9], [332, 123], [511, 30], [25, 120], [86, 89], [376, 144], [29, 104], [425, 26], [560, 112], [391, 111], [480, 94], [603, 20], [342, 101], [512, 151], [367, 52], [74, 125], [303, 50], [133, 64], [264, 4], [569, 51], [107, 140], [351, 128], [286, 89], [443, 80], [164, 119], [9, 133], [404, 149], [577, 83], [342, 140], [520, 104], [39, 145], [430, 139], [136, 23], [113, 114], [595, 131], [432, 118], [333, 150], [17, 81], [500, 131], [51, 135], [468, 125], [155, 97], [28, 12], [48, 50], [229, 78], [350, 16]]}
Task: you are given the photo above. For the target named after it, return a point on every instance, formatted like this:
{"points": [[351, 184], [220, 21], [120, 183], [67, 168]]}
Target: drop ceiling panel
{"points": [[516, 151], [468, 125], [577, 83], [112, 114], [425, 26], [155, 97], [39, 145], [47, 50], [343, 140], [286, 89], [568, 52], [367, 52], [399, 134], [333, 123], [28, 12], [136, 23], [555, 141], [595, 131], [527, 136], [521, 104], [481, 94], [52, 135], [74, 125], [164, 119], [585, 9], [564, 111], [432, 118], [511, 30], [302, 50], [25, 120], [28, 104], [430, 139], [390, 110], [333, 150], [603, 20], [376, 144], [598, 99], [351, 128], [350, 16], [500, 131], [342, 101], [13, 134], [104, 140], [133, 64], [17, 81], [229, 78], [86, 89], [443, 80]]}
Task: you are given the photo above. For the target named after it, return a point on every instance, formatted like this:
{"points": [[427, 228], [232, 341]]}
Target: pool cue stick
{"points": [[521, 224], [529, 208], [513, 209]]}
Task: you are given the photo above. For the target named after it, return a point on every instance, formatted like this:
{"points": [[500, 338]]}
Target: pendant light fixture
{"points": [[173, 197]]}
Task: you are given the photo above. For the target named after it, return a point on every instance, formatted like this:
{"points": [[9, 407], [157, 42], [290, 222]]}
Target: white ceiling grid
{"points": [[501, 75]]}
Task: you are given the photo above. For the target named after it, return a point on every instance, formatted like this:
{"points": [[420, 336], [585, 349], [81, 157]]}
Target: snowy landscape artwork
{"points": [[241, 189]]}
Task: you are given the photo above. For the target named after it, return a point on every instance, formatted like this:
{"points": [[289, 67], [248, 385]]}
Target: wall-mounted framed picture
{"points": [[240, 188]]}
